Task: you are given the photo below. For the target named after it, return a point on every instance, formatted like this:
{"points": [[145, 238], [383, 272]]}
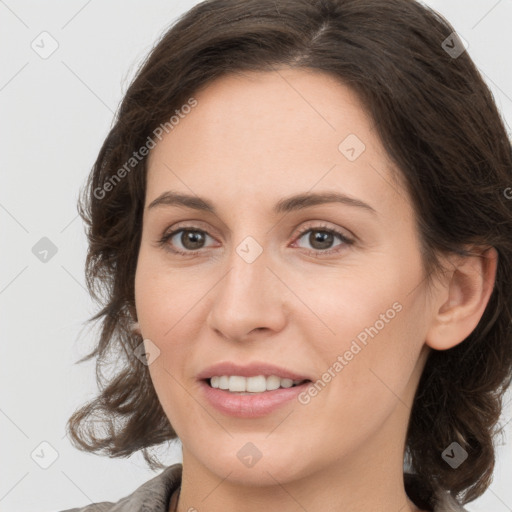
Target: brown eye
{"points": [[321, 240], [192, 240], [186, 241]]}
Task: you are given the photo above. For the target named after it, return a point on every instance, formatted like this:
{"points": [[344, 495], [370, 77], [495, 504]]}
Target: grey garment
{"points": [[152, 496], [155, 496]]}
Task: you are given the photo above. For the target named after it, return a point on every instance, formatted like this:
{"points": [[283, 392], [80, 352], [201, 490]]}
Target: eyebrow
{"points": [[288, 204]]}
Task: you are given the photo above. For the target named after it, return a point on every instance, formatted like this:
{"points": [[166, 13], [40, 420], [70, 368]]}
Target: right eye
{"points": [[190, 238]]}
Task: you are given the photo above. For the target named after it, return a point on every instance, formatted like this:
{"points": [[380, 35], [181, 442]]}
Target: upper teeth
{"points": [[257, 384]]}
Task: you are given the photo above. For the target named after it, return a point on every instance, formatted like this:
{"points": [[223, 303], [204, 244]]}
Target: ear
{"points": [[462, 297]]}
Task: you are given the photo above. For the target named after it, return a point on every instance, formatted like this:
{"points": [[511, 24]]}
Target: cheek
{"points": [[345, 307], [165, 311], [162, 295], [368, 329]]}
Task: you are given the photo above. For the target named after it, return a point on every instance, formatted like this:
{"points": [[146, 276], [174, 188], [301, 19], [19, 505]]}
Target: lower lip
{"points": [[250, 406]]}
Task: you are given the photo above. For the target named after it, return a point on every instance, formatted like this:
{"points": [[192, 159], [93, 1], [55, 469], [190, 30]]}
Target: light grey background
{"points": [[55, 113]]}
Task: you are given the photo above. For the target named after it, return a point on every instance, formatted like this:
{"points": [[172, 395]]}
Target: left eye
{"points": [[321, 239]]}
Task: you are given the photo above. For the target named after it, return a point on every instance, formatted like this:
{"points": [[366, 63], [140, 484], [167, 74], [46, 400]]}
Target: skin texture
{"points": [[252, 140]]}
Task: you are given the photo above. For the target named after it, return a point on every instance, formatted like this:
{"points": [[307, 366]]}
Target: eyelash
{"points": [[312, 252]]}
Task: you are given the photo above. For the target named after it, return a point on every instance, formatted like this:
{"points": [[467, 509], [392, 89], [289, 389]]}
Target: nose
{"points": [[250, 298]]}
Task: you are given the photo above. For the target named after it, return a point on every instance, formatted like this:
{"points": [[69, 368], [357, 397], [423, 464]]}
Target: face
{"points": [[330, 291]]}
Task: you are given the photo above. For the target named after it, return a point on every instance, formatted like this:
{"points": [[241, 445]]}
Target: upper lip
{"points": [[249, 370]]}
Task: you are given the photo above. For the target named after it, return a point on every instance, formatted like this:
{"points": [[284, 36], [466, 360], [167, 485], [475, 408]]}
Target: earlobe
{"points": [[462, 298], [134, 326]]}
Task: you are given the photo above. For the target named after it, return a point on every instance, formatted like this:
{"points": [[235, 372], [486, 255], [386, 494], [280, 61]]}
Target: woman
{"points": [[300, 225]]}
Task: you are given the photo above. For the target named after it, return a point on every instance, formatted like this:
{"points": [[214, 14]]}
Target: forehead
{"points": [[259, 134], [273, 107]]}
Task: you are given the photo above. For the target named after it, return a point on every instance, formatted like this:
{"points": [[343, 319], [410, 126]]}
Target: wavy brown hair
{"points": [[439, 124]]}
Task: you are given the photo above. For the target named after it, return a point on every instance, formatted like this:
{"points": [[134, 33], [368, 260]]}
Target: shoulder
{"points": [[153, 495], [104, 506]]}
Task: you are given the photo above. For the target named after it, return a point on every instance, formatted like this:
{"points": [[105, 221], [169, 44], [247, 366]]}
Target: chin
{"points": [[255, 463]]}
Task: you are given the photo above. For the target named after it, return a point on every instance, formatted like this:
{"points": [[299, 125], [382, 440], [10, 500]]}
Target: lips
{"points": [[248, 405], [251, 370]]}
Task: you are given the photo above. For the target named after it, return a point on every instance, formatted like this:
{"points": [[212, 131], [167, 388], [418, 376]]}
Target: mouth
{"points": [[238, 376], [250, 397], [241, 385]]}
